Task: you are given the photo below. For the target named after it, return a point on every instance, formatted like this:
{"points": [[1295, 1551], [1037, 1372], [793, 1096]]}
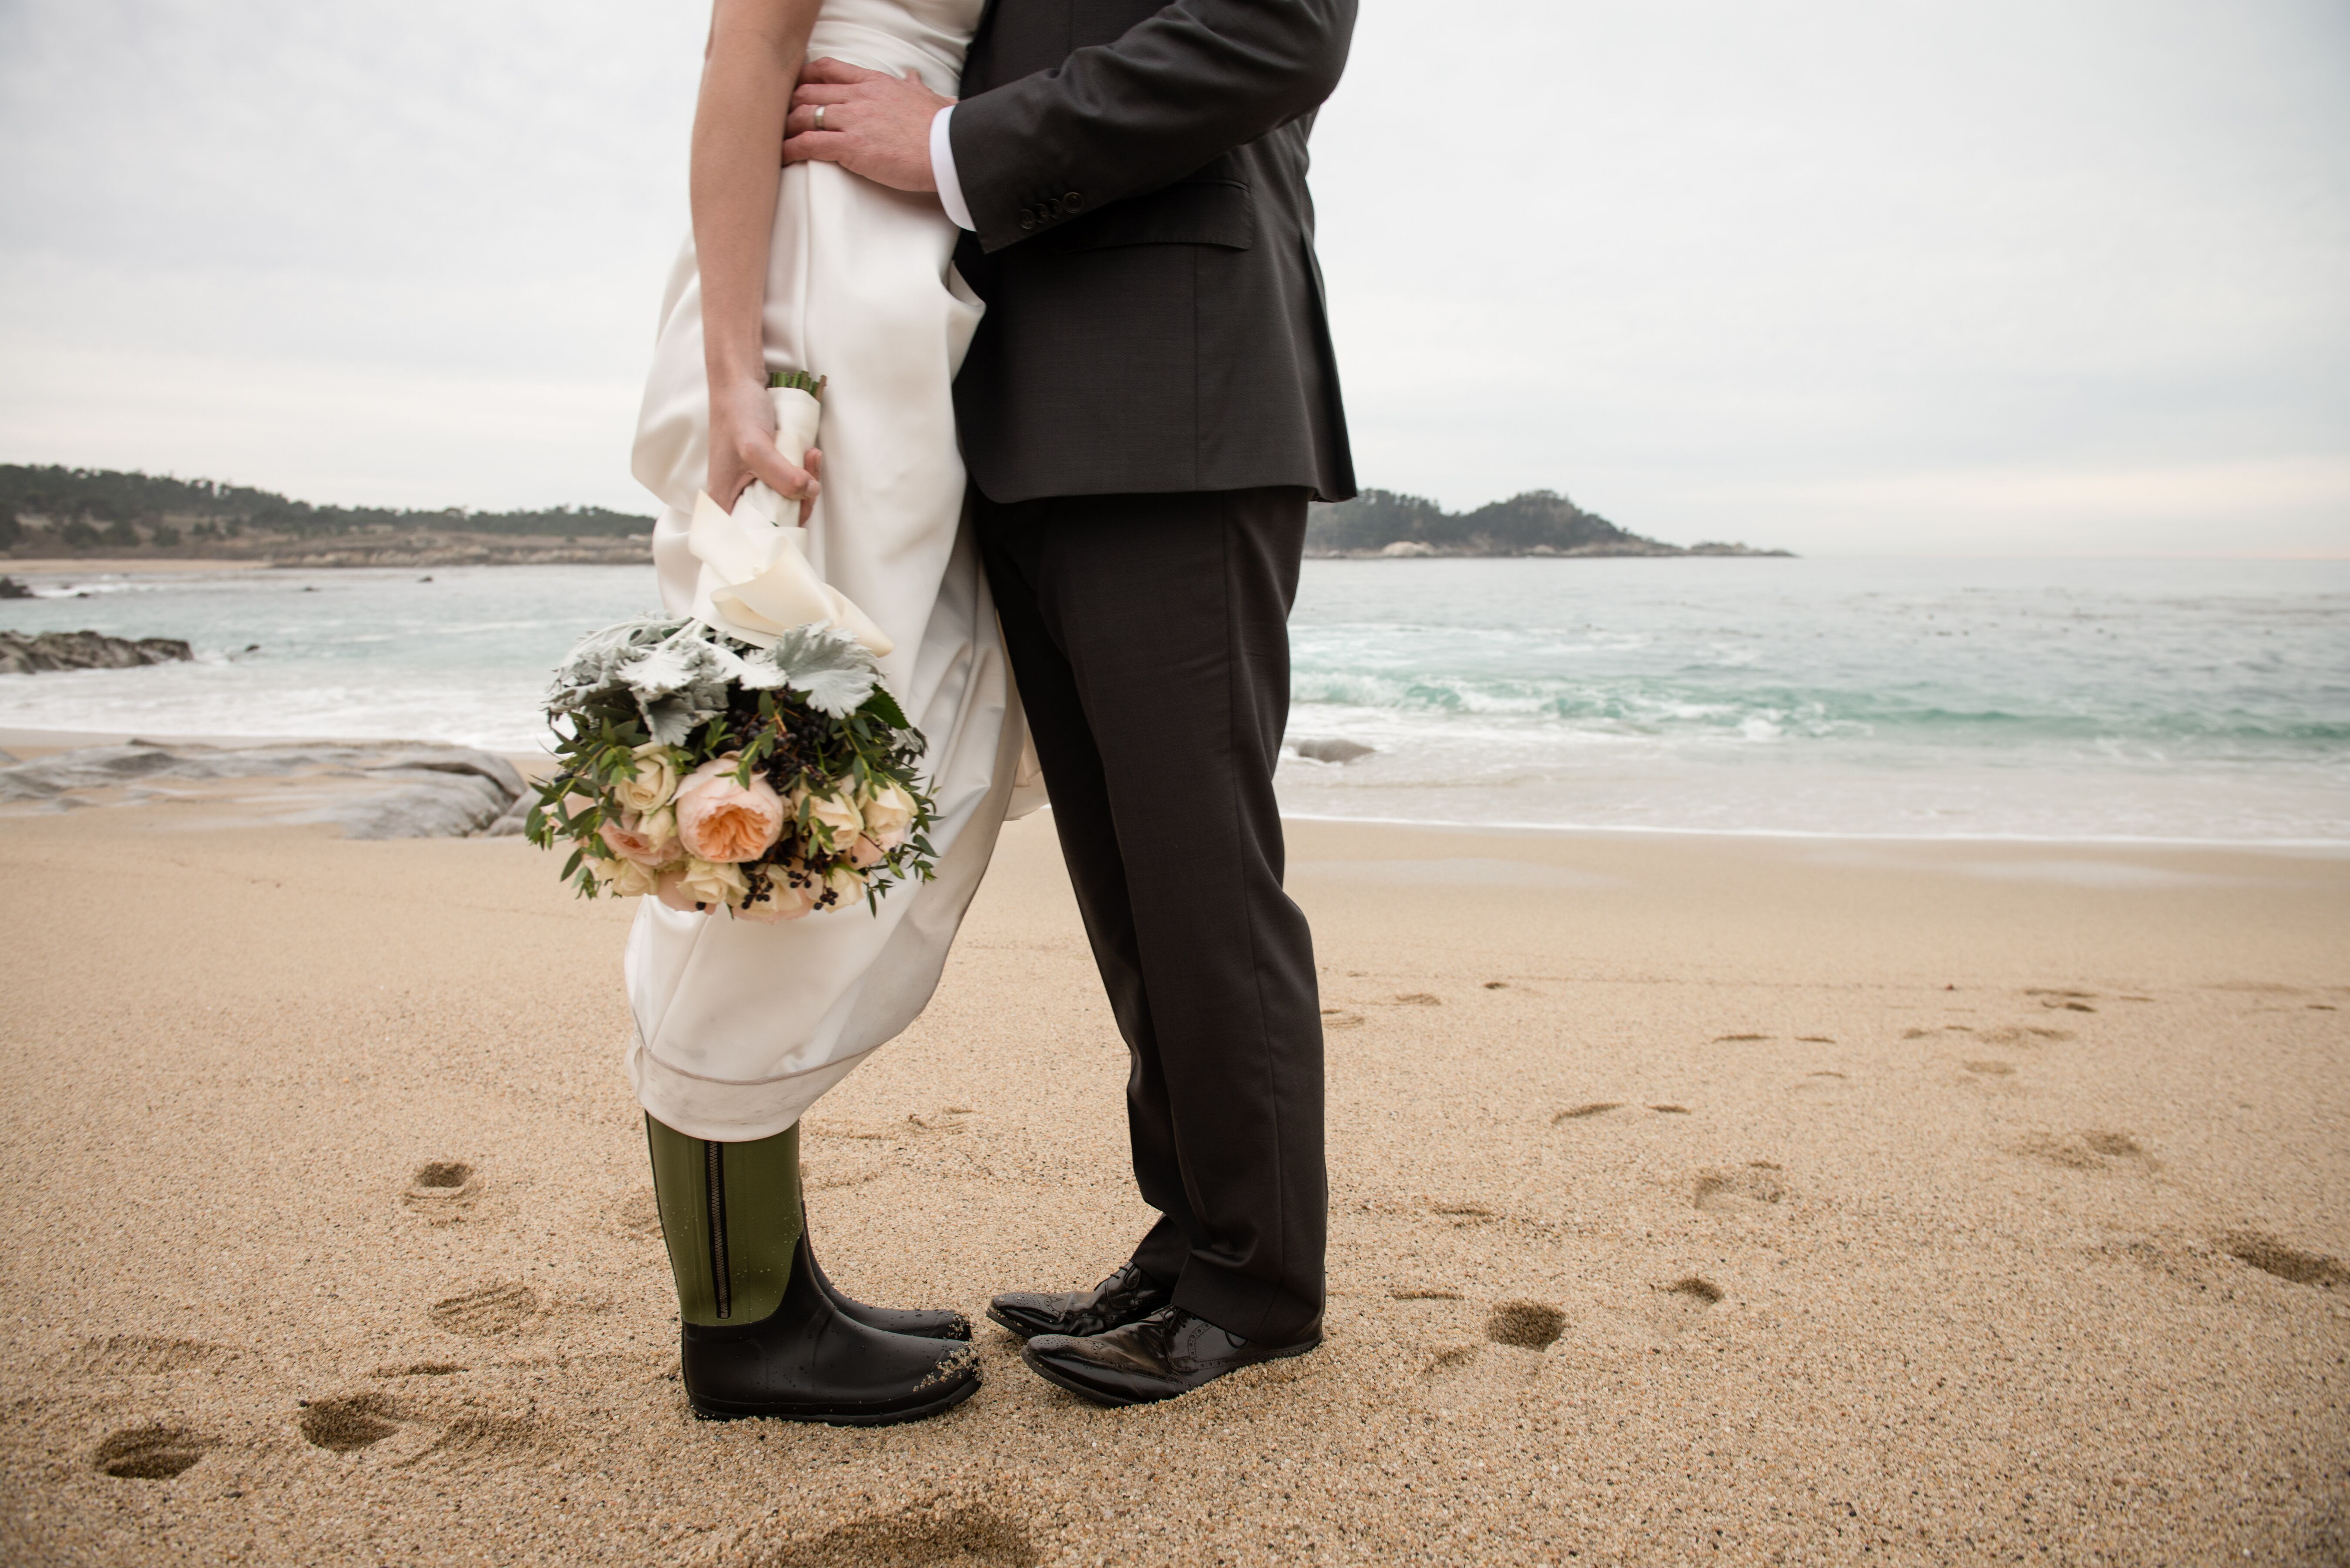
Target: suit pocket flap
{"points": [[1189, 213]]}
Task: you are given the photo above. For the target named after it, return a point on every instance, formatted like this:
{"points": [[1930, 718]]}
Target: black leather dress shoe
{"points": [[922, 1322], [1168, 1353], [1126, 1296], [808, 1361]]}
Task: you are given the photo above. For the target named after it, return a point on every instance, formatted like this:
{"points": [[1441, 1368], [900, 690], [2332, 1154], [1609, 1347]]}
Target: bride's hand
{"points": [[743, 448]]}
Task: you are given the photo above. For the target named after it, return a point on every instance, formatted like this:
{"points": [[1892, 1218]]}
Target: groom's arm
{"points": [[1116, 119], [1168, 96]]}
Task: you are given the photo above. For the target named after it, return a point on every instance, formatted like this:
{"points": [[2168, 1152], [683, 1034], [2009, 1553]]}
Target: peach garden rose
{"points": [[723, 821]]}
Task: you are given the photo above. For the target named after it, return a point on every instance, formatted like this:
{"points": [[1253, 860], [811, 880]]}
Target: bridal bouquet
{"points": [[747, 756], [712, 772]]}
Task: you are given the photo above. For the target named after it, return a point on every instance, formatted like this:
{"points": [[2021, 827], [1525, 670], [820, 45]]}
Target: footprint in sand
{"points": [[1424, 1294], [1672, 1110], [2086, 1151], [479, 1442], [152, 1452], [2067, 1001], [2018, 1034], [1989, 1069], [2271, 1256], [1528, 1325], [508, 1307], [139, 1354], [1417, 999], [422, 1369], [1451, 1359], [346, 1426], [1339, 1018], [970, 1535], [442, 1189], [1464, 1214], [1738, 1189], [1826, 1085], [1680, 1305], [1578, 1113], [1738, 1039]]}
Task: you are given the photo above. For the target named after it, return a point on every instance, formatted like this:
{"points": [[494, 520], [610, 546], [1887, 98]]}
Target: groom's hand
{"points": [[875, 124]]}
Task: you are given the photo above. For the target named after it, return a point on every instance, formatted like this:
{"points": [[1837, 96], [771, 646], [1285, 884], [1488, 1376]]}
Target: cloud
{"points": [[1845, 276]]}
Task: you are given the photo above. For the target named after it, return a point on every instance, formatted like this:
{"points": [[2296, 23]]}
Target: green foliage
{"points": [[1537, 519], [109, 495], [79, 535]]}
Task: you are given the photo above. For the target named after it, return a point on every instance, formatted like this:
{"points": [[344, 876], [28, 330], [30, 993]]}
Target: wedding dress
{"points": [[740, 1027]]}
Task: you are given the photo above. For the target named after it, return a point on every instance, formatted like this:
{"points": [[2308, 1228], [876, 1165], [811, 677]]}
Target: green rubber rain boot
{"points": [[759, 1334]]}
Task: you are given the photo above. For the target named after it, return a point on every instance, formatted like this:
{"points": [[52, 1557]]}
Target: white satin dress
{"points": [[739, 1026]]}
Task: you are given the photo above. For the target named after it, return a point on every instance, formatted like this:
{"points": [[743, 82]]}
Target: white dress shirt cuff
{"points": [[942, 171]]}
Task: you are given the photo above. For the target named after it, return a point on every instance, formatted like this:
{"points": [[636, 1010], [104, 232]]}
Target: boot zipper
{"points": [[714, 1154]]}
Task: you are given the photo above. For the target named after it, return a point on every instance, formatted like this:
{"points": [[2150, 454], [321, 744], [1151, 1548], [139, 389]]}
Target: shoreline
{"points": [[26, 743]]}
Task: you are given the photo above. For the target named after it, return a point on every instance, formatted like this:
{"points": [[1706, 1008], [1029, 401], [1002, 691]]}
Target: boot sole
{"points": [[1001, 1322], [948, 1401], [1108, 1401]]}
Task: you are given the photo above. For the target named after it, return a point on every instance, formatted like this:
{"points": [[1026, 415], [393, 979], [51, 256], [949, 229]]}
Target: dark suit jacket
{"points": [[1145, 246]]}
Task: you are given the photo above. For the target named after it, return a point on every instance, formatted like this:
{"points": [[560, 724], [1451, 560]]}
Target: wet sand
{"points": [[1693, 1199]]}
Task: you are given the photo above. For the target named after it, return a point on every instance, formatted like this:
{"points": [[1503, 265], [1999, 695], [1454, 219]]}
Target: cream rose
{"points": [[888, 814], [865, 853], [649, 838], [624, 878], [701, 883], [835, 818], [649, 787], [846, 884], [781, 901], [723, 821]]}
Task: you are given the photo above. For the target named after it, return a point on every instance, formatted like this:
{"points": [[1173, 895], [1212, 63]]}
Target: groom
{"points": [[1150, 403]]}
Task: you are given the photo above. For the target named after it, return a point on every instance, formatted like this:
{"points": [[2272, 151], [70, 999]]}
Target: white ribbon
{"points": [[756, 581]]}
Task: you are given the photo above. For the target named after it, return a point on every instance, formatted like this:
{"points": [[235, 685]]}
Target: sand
{"points": [[1692, 1198]]}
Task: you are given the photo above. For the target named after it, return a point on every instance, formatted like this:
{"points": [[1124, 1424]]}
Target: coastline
{"points": [[1689, 1195], [26, 743]]}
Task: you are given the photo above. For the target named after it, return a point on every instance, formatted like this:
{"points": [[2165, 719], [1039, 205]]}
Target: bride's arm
{"points": [[754, 59]]}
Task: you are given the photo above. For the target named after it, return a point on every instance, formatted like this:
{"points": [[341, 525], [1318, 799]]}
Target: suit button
{"points": [[1027, 219], [1073, 202]]}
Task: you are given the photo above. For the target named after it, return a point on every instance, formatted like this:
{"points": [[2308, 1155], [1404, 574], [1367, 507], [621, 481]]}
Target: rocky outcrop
{"points": [[390, 790], [1382, 524], [10, 588], [24, 655]]}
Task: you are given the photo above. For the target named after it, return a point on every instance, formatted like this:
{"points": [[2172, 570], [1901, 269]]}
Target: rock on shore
{"points": [[387, 790], [25, 655]]}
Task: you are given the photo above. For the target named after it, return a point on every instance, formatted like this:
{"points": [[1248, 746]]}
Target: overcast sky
{"points": [[1880, 277]]}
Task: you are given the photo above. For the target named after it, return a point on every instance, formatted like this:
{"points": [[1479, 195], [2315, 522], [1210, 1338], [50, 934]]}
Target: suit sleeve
{"points": [[1172, 93]]}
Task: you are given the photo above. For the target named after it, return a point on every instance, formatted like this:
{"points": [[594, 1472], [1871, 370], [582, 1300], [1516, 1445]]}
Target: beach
{"points": [[1694, 1198]]}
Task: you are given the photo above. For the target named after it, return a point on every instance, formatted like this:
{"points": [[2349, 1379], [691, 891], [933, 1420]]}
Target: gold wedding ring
{"points": [[819, 117]]}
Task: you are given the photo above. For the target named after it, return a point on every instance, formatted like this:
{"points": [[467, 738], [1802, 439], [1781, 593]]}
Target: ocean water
{"points": [[2201, 702]]}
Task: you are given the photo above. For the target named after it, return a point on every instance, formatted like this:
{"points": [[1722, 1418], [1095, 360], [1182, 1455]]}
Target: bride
{"points": [[793, 274]]}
